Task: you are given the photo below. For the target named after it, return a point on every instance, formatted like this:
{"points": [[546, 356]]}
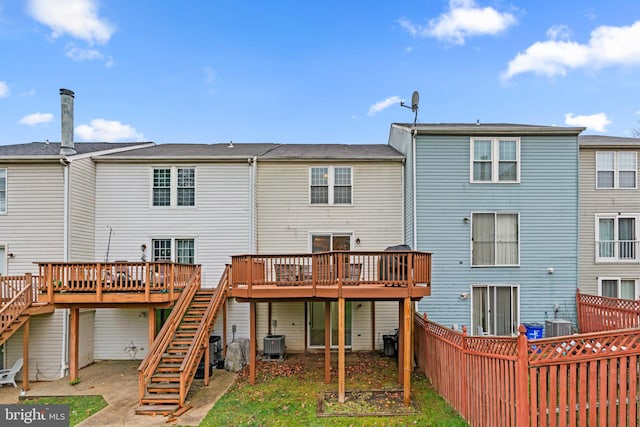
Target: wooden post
{"points": [[463, 369], [172, 281], [152, 325], [74, 324], [50, 283], [400, 354], [341, 379], [252, 343], [373, 326], [207, 362], [522, 379], [327, 342], [407, 360], [224, 328], [25, 356], [98, 279]]}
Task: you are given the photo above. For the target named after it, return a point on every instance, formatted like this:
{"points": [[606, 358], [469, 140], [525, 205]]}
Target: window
{"points": [[174, 186], [616, 238], [3, 261], [616, 169], [495, 309], [330, 185], [184, 250], [330, 242], [3, 191], [495, 160], [614, 287], [495, 239]]}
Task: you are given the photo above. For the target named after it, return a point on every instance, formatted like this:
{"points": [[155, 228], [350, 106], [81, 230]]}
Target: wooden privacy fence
{"points": [[596, 313], [576, 380]]}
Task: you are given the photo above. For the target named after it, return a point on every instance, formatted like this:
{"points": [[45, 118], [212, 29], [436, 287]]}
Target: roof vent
{"points": [[230, 144]]}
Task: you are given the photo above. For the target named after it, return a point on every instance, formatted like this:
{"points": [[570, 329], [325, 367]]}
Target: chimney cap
{"points": [[66, 92]]}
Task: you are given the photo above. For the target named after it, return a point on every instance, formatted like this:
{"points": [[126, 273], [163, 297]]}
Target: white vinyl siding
{"points": [[495, 160], [33, 227], [386, 320], [82, 198], [330, 185], [219, 226], [495, 239], [616, 170], [121, 334]]}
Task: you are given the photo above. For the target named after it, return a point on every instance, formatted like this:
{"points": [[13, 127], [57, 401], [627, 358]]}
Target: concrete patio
{"points": [[117, 382]]}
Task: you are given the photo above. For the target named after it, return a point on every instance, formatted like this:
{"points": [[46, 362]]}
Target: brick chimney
{"points": [[66, 102]]}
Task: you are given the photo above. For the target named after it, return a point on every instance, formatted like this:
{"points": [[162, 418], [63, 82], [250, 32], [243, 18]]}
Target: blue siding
{"points": [[401, 140], [547, 201]]}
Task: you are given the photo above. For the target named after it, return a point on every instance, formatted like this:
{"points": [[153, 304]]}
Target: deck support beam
{"points": [[341, 356], [408, 365], [327, 342], [252, 343], [74, 325], [25, 356], [400, 354], [151, 316], [224, 328]]}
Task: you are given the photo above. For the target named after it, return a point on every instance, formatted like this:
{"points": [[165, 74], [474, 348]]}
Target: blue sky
{"points": [[313, 72]]}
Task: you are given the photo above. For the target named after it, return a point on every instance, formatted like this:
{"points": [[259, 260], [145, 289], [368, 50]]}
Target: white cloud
{"points": [[89, 54], [77, 18], [464, 19], [30, 92], [36, 118], [4, 89], [107, 131], [596, 122], [559, 32], [379, 106], [607, 46]]}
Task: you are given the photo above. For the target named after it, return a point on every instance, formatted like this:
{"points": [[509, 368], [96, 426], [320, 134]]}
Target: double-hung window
{"points": [[3, 191], [330, 185], [616, 287], [617, 238], [495, 160], [179, 250], [174, 186], [616, 169], [495, 239]]}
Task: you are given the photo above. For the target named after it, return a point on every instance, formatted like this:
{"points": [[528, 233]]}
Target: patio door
{"points": [[316, 324], [495, 310]]}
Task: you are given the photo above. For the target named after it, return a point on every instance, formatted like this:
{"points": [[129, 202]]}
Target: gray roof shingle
{"points": [[52, 149], [607, 141], [489, 128], [333, 152], [191, 152]]}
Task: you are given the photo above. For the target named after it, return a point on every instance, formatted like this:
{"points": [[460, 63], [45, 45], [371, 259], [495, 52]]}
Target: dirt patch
{"points": [[369, 403]]}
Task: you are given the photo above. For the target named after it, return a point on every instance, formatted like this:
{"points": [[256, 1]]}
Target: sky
{"points": [[303, 71]]}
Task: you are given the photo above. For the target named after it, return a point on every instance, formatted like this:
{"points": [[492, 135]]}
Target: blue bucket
{"points": [[534, 330]]}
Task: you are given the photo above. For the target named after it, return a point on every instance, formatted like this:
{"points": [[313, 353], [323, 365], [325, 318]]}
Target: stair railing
{"points": [[21, 298], [150, 363], [200, 340]]}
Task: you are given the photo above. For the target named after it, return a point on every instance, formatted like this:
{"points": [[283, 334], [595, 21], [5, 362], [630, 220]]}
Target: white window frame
{"points": [[516, 323], [331, 235], [495, 246], [616, 247], [4, 190], [4, 259], [173, 187], [331, 171], [173, 247], [616, 170], [619, 280], [495, 160]]}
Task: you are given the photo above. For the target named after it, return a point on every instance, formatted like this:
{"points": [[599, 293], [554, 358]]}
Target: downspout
{"points": [[65, 255], [415, 184]]}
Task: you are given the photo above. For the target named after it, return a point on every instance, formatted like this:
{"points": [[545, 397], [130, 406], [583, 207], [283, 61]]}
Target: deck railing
{"points": [[113, 277], [17, 295], [330, 269], [576, 380], [596, 313]]}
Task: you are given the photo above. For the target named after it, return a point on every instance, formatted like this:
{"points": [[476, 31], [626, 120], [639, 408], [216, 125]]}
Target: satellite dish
{"points": [[415, 100]]}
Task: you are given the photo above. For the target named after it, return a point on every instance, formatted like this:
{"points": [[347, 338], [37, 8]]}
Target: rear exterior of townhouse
{"points": [[497, 204], [318, 198], [609, 215], [47, 213]]}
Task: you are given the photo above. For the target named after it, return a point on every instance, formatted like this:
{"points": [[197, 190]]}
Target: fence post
{"points": [[578, 309], [522, 380], [465, 377]]}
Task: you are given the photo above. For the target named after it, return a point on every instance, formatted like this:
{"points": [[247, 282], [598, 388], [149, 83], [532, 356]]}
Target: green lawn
{"points": [[80, 407], [286, 394]]}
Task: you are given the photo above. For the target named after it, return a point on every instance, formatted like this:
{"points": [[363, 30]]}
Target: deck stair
{"points": [[165, 375], [17, 297]]}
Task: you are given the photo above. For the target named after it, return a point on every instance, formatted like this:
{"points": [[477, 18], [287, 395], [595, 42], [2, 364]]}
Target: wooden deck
{"points": [[112, 284], [331, 275]]}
